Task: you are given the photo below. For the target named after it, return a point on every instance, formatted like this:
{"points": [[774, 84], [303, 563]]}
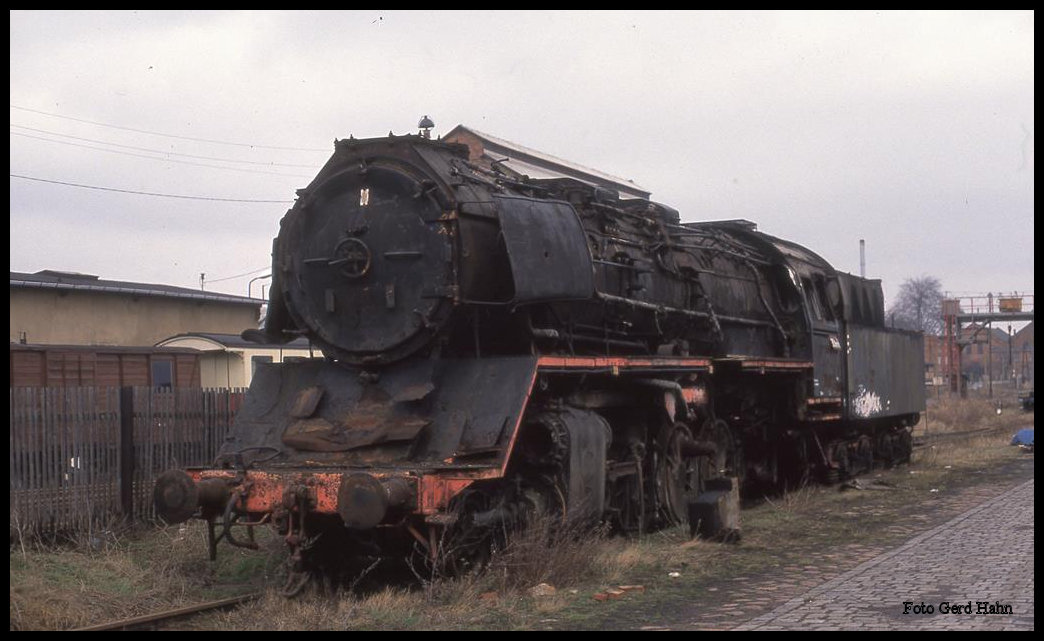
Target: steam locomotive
{"points": [[496, 346]]}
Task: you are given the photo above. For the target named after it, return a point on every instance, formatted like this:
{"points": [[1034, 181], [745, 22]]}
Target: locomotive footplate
{"points": [[764, 365]]}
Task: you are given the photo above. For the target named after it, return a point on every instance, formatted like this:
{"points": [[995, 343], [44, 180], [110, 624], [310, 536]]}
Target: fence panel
{"points": [[175, 428], [82, 456]]}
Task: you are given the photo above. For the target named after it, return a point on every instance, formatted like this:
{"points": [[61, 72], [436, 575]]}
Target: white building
{"points": [[229, 361]]}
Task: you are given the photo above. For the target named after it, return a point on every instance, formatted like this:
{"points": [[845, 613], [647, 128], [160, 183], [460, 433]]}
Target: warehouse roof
{"points": [[537, 164], [72, 281]]}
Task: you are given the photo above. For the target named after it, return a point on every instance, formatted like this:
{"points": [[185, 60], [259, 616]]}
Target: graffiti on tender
{"points": [[866, 402]]}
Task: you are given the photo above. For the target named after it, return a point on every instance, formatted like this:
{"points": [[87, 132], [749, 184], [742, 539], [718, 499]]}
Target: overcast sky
{"points": [[913, 131]]}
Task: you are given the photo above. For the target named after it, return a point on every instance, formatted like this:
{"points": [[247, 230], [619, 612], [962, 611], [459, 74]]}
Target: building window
{"points": [[163, 374], [254, 360]]}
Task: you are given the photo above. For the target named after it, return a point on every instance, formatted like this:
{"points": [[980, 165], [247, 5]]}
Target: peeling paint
{"points": [[866, 403]]}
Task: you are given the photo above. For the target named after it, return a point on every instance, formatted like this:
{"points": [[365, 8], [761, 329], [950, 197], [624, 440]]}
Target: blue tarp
{"points": [[1023, 437]]}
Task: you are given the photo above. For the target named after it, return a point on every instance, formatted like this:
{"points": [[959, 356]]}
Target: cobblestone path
{"points": [[974, 572]]}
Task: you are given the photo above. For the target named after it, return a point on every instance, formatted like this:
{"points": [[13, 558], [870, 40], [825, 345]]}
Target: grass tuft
{"points": [[113, 573]]}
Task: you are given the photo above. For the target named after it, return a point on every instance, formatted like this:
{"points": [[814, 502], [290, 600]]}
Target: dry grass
{"points": [[77, 583], [108, 575], [617, 563], [794, 500], [966, 428], [89, 580], [547, 551], [951, 414], [389, 609]]}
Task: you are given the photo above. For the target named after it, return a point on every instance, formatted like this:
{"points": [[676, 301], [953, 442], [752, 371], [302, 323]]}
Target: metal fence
{"points": [[84, 456]]}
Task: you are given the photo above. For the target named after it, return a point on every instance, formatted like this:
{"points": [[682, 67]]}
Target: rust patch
{"points": [[314, 435], [435, 492], [306, 402], [695, 395], [265, 490], [413, 392], [360, 430], [374, 420]]}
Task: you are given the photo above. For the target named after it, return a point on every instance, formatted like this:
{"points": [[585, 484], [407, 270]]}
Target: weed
{"points": [[547, 550], [116, 573]]}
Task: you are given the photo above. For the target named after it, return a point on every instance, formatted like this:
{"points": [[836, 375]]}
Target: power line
{"points": [[154, 151], [218, 280], [146, 193], [156, 133], [180, 162]]}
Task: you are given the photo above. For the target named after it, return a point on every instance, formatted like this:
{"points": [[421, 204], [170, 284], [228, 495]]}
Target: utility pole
{"points": [[989, 344], [1011, 360]]}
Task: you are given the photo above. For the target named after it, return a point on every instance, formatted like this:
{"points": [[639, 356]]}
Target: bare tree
{"points": [[918, 305]]}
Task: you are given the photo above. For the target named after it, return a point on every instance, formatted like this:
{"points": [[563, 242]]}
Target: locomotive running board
{"points": [[619, 364], [763, 365]]}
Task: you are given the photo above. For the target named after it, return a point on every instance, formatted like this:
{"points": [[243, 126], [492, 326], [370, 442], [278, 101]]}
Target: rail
{"points": [[157, 617]]}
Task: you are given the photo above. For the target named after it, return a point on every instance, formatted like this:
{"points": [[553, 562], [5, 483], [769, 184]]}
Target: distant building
{"points": [[1022, 348], [979, 344], [229, 361], [62, 308], [934, 363], [987, 353], [515, 160]]}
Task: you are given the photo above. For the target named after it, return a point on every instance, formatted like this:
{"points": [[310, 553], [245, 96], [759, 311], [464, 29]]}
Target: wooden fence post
{"points": [[127, 451]]}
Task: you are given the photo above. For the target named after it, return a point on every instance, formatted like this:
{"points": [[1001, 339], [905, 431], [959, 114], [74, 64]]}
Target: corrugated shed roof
{"points": [[537, 164], [100, 349], [70, 281]]}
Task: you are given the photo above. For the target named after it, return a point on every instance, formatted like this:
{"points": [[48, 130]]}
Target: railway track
{"points": [[934, 437], [149, 621], [153, 620]]}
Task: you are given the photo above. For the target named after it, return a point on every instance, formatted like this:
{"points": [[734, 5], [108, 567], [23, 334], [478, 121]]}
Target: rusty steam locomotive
{"points": [[496, 346]]}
